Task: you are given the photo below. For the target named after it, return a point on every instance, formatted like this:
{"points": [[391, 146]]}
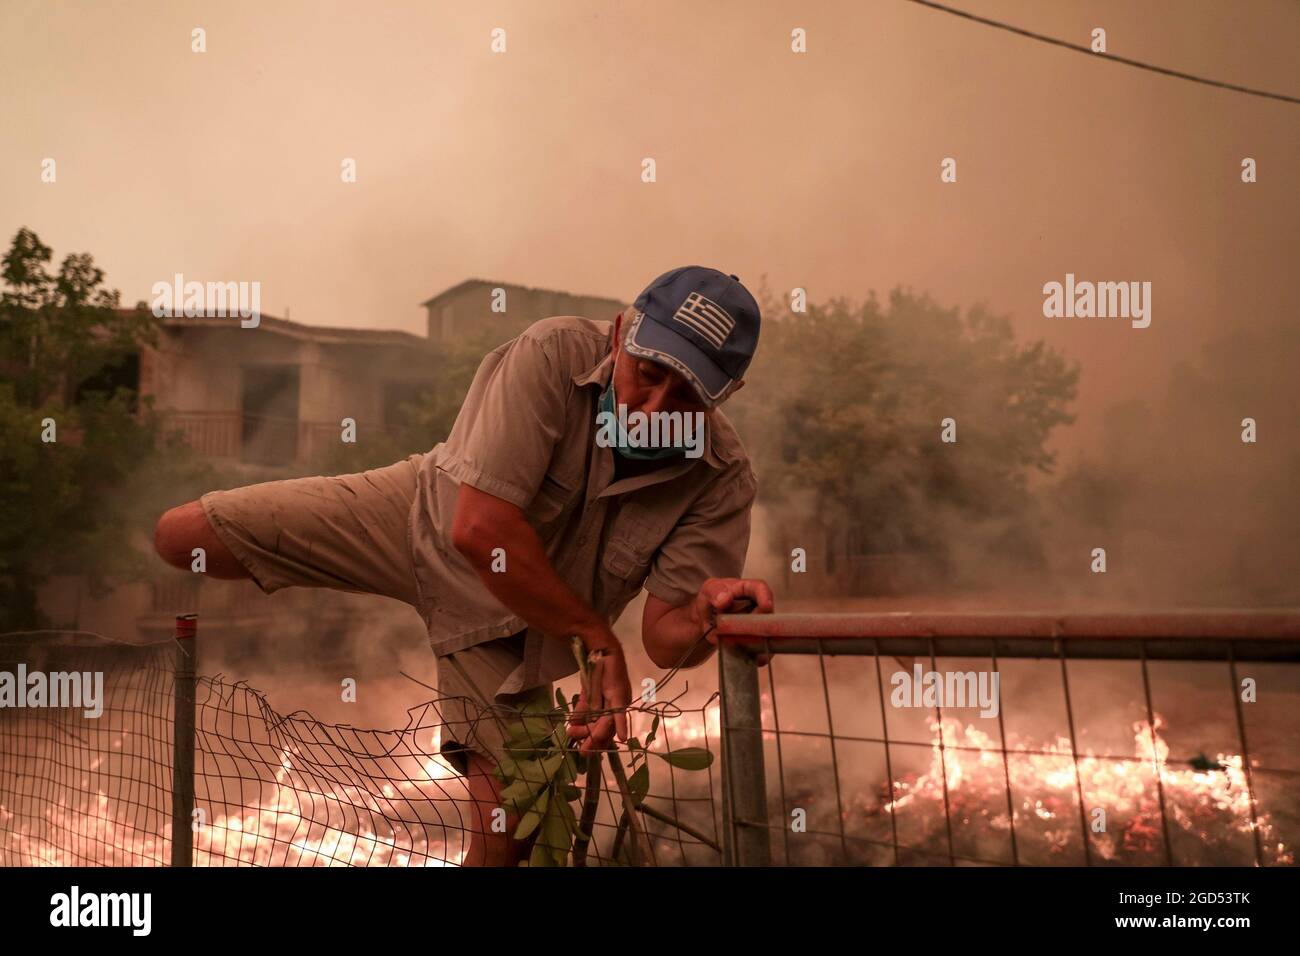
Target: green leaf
{"points": [[634, 744], [566, 811], [541, 856], [533, 726], [559, 699], [518, 790], [688, 758], [571, 792], [520, 795], [570, 771], [654, 729], [555, 834], [538, 729], [536, 813], [514, 768], [523, 742], [638, 784], [536, 772], [521, 754], [551, 765]]}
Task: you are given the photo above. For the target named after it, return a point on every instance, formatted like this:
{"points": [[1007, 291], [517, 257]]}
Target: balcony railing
{"points": [[260, 439]]}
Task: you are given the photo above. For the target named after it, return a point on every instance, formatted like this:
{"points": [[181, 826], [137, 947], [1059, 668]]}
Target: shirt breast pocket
{"points": [[628, 562], [632, 544], [552, 504]]}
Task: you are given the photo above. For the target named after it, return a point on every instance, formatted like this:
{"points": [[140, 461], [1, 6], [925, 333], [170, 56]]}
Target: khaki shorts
{"points": [[474, 715], [352, 533]]}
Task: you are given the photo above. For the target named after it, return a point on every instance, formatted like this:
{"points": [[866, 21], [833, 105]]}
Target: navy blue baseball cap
{"points": [[699, 322]]}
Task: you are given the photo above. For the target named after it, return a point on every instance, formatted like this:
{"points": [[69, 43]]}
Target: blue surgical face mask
{"points": [[609, 403]]}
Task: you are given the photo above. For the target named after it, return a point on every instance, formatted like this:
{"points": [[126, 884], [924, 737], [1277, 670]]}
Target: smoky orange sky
{"points": [[819, 170]]}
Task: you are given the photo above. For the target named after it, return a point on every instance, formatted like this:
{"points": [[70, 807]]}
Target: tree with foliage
{"points": [[70, 505], [843, 412]]}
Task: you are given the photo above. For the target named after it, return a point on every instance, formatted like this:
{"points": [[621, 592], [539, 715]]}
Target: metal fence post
{"points": [[183, 741], [747, 841]]}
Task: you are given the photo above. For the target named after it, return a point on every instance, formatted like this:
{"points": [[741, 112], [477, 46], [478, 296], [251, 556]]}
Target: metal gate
{"points": [[1238, 684]]}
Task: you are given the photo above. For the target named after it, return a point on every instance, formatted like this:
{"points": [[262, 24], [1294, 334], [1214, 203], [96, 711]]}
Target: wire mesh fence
{"points": [[1126, 740], [1166, 739], [188, 769]]}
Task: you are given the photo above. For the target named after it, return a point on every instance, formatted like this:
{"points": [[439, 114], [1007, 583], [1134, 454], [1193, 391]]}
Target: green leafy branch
{"points": [[541, 765]]}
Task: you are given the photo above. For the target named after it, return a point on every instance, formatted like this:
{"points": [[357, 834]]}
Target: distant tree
{"points": [[57, 331], [843, 412], [72, 505]]}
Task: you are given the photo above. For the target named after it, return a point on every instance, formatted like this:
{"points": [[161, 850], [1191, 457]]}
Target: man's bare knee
{"points": [[182, 529], [487, 845]]}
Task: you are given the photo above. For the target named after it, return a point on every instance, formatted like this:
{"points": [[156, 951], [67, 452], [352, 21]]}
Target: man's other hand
{"points": [[722, 595]]}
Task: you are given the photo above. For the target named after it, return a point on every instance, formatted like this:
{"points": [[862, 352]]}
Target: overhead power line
{"points": [[1079, 48]]}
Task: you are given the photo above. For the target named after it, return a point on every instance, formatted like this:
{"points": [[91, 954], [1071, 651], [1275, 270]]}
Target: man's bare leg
{"points": [[488, 848], [184, 528]]}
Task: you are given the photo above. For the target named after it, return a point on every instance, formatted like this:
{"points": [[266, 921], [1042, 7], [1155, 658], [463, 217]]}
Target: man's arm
{"points": [[696, 574], [182, 529], [671, 635], [531, 588]]}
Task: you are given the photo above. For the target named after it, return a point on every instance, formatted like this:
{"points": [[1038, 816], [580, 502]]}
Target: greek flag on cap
{"points": [[699, 322], [705, 317]]}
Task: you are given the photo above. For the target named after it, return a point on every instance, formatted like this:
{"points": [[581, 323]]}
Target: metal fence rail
{"points": [[828, 771]]}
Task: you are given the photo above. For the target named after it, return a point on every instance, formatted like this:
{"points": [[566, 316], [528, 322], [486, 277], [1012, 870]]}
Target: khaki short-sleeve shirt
{"points": [[526, 434]]}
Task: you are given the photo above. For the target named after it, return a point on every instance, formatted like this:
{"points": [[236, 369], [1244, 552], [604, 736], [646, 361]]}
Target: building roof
{"points": [[326, 335], [493, 283]]}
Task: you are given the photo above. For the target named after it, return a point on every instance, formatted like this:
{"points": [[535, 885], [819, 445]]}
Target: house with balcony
{"points": [[271, 395]]}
